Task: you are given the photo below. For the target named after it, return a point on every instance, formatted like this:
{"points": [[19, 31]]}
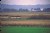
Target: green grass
{"points": [[31, 19], [23, 19], [15, 29]]}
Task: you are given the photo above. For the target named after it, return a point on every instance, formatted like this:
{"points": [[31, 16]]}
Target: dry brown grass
{"points": [[26, 22]]}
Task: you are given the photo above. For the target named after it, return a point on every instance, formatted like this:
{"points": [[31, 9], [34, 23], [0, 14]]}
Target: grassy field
{"points": [[24, 13], [26, 29], [15, 29], [26, 22]]}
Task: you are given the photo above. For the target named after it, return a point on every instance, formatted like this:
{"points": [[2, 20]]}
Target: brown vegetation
{"points": [[26, 22], [24, 15]]}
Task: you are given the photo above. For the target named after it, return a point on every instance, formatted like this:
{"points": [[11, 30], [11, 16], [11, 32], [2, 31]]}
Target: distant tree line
{"points": [[24, 10], [46, 9], [14, 10]]}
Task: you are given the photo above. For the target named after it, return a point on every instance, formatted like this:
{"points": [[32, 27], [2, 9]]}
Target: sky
{"points": [[25, 2]]}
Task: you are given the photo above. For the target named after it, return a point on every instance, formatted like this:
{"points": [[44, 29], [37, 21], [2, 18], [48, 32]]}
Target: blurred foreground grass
{"points": [[15, 29]]}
